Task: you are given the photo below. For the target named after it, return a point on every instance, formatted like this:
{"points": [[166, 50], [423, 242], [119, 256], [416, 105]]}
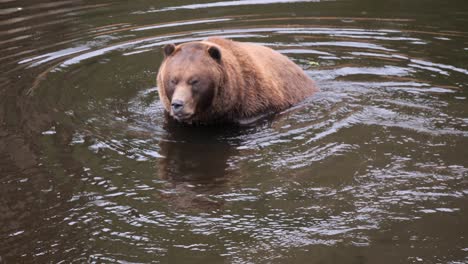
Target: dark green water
{"points": [[372, 169]]}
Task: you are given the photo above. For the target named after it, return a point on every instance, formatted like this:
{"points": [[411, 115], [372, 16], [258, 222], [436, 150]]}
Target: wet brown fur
{"points": [[250, 79]]}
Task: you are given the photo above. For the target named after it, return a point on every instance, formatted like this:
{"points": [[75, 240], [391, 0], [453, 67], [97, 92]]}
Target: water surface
{"points": [[372, 169]]}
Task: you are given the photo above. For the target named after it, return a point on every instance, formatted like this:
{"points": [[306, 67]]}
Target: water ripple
{"points": [[381, 148]]}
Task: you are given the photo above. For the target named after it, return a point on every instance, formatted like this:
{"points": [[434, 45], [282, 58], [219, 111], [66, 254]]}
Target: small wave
{"points": [[227, 3]]}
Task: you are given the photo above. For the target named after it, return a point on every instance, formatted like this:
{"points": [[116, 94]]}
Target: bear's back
{"points": [[271, 81]]}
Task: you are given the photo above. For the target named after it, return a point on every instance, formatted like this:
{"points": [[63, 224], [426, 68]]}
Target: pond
{"points": [[371, 169]]}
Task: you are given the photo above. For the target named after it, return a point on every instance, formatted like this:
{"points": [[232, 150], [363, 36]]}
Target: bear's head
{"points": [[189, 79]]}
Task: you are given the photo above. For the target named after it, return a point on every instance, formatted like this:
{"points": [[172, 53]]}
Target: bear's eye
{"points": [[174, 81], [193, 82]]}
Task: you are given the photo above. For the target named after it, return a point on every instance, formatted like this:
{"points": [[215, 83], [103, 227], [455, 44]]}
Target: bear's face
{"points": [[191, 78]]}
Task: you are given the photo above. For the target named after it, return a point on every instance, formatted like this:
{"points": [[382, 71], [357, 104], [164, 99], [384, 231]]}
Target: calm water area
{"points": [[371, 169]]}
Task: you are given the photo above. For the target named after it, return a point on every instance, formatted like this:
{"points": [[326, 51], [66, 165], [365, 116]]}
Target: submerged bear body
{"points": [[219, 80]]}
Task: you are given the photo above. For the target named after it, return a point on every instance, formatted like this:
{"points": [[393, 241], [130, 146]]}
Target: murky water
{"points": [[373, 169]]}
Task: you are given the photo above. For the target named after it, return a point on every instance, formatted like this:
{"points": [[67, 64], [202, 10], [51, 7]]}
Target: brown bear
{"points": [[220, 80]]}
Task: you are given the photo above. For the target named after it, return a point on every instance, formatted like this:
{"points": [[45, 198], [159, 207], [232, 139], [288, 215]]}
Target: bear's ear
{"points": [[168, 49], [215, 53]]}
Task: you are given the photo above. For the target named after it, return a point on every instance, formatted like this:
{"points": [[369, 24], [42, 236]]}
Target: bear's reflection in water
{"points": [[195, 163]]}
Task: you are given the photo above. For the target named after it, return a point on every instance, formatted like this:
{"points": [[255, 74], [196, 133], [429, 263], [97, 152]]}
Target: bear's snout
{"points": [[181, 110], [177, 106], [183, 104]]}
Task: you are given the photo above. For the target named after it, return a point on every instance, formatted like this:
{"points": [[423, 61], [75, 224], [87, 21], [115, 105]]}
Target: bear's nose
{"points": [[177, 106]]}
